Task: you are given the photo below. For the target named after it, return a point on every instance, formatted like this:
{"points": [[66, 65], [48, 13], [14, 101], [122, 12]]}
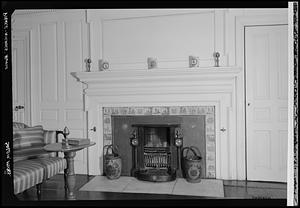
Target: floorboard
{"points": [[53, 190]]}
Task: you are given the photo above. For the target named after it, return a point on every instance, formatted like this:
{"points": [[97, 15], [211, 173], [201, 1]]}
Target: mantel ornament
{"points": [[152, 63], [88, 62], [193, 61], [216, 56], [103, 65]]}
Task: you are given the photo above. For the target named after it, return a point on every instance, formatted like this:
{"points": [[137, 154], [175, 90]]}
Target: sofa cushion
{"points": [[19, 125], [27, 173], [30, 153], [28, 137]]}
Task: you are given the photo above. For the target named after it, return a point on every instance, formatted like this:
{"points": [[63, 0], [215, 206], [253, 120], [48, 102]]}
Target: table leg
{"points": [[70, 175]]}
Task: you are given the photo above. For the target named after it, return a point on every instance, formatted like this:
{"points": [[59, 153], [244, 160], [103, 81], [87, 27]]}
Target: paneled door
{"points": [[266, 69], [21, 77]]}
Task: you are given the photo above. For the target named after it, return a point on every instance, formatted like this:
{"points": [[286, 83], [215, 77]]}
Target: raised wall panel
{"points": [[282, 114], [49, 118], [282, 160], [282, 85], [73, 60], [49, 115], [263, 148], [74, 118], [48, 62], [261, 67], [262, 114], [167, 38], [14, 76]]}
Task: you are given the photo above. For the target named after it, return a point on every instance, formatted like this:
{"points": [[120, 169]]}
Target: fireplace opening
{"points": [[155, 155], [196, 130]]}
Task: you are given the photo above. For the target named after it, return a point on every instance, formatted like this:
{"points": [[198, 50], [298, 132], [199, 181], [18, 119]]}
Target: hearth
{"points": [[156, 152]]}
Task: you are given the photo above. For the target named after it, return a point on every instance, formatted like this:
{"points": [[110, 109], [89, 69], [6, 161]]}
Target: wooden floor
{"points": [[53, 190]]}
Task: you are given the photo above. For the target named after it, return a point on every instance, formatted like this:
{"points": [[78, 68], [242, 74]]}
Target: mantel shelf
{"points": [[157, 74]]}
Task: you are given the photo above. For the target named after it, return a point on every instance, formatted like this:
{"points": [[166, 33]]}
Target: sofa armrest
{"points": [[50, 137]]}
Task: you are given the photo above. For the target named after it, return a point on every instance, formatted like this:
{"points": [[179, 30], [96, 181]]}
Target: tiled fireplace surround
{"points": [[215, 92], [207, 111]]}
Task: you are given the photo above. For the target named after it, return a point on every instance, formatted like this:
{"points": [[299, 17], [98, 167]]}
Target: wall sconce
{"points": [[193, 61], [88, 62], [103, 65], [216, 56], [152, 63]]}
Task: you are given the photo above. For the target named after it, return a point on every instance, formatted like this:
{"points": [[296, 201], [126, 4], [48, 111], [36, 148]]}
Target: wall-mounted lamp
{"points": [[152, 63]]}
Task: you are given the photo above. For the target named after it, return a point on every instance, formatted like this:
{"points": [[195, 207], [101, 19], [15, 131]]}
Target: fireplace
{"points": [[212, 93], [156, 152]]}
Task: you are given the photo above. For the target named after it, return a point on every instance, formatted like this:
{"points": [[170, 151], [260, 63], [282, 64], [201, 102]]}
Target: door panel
{"points": [[266, 97], [20, 77]]}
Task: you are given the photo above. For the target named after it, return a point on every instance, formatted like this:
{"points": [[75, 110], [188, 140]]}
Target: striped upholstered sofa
{"points": [[32, 164]]}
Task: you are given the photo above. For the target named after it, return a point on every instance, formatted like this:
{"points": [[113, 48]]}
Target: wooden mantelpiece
{"points": [[156, 74], [221, 87]]}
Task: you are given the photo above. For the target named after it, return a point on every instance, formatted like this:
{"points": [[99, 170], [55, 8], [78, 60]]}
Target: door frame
{"points": [[24, 35], [241, 22]]}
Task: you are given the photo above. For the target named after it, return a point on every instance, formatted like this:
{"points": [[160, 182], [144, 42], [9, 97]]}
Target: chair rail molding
{"points": [[211, 86]]}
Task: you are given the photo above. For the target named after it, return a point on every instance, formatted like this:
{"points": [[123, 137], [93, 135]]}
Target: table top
{"points": [[60, 147]]}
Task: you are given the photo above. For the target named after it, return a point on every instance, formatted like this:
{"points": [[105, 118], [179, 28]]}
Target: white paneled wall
{"points": [[60, 41], [58, 47]]}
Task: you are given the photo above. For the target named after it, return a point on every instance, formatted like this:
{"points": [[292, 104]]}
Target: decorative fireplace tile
{"points": [[131, 111], [107, 111], [115, 111], [210, 146], [139, 111], [174, 110], [107, 119], [211, 168], [192, 110], [200, 110], [124, 111], [211, 174], [210, 156], [107, 136], [183, 110], [208, 111], [210, 129], [148, 111], [107, 124], [107, 142], [210, 119], [210, 138], [160, 111]]}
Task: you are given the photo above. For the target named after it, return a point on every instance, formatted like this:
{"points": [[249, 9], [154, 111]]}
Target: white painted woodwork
{"points": [[58, 47], [60, 40], [171, 87], [291, 144], [170, 36], [266, 97], [21, 76]]}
